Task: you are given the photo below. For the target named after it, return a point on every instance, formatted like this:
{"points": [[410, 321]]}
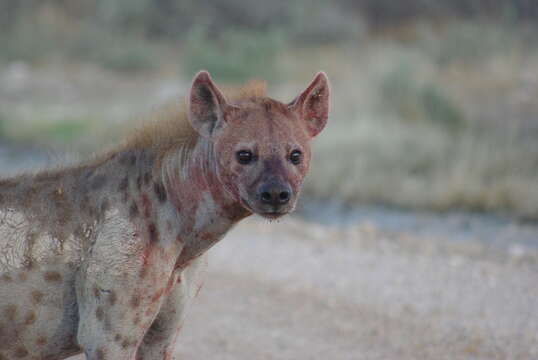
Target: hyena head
{"points": [[261, 146]]}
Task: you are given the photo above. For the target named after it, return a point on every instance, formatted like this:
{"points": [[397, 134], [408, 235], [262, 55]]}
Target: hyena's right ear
{"points": [[206, 105]]}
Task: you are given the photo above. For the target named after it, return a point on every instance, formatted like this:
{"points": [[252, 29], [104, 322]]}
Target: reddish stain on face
{"points": [[261, 146], [254, 157]]}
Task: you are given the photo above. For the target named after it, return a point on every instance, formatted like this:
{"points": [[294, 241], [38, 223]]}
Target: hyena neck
{"points": [[207, 209]]}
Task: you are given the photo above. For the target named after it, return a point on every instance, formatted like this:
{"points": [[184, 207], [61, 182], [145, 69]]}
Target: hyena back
{"points": [[102, 257]]}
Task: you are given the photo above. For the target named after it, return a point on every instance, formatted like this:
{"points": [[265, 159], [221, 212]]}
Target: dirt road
{"points": [[294, 290]]}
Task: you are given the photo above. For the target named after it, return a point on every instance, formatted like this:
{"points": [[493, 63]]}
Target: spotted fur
{"points": [[103, 257]]}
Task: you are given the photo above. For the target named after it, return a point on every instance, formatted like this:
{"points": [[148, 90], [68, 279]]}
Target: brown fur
{"points": [[93, 249], [169, 128]]}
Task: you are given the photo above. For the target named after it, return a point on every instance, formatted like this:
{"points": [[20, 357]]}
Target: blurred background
{"points": [[430, 160]]}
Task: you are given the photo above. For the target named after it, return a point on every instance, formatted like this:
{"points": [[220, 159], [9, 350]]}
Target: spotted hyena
{"points": [[102, 257]]}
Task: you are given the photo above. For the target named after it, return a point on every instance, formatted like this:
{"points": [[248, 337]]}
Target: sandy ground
{"points": [[296, 290]]}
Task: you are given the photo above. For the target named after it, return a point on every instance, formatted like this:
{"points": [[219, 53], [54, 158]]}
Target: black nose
{"points": [[275, 194]]}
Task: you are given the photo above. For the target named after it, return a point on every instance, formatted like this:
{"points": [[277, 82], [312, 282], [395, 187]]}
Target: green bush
{"points": [[469, 42], [439, 108], [234, 56], [410, 100], [130, 56]]}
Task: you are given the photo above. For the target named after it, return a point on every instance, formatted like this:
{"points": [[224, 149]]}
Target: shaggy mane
{"points": [[169, 127]]}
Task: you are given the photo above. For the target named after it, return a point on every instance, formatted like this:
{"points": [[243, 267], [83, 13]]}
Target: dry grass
{"points": [[410, 126], [478, 152]]}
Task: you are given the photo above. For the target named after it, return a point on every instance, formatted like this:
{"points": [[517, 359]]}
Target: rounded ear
{"points": [[206, 105], [312, 105]]}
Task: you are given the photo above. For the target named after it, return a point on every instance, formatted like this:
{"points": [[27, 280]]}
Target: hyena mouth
{"points": [[271, 214]]}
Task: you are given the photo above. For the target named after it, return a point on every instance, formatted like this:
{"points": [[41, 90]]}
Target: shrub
{"points": [[469, 42], [234, 56], [439, 108], [402, 93]]}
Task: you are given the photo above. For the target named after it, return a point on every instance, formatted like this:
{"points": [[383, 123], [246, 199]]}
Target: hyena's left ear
{"points": [[312, 105], [207, 105]]}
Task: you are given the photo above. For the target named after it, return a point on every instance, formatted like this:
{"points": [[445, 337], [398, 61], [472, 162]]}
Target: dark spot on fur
{"points": [[63, 208], [100, 354], [139, 182], [105, 205], [28, 262], [21, 352], [99, 313], [69, 345], [98, 182], [143, 272], [124, 184], [96, 292], [160, 192], [135, 301], [29, 195], [132, 160], [268, 106], [92, 211], [30, 318], [6, 278], [23, 276], [147, 178], [146, 205], [136, 320], [52, 276], [125, 344], [37, 296], [128, 158], [112, 298], [153, 233], [8, 183], [117, 338], [133, 211], [108, 324], [88, 173], [41, 341], [84, 203], [10, 312]]}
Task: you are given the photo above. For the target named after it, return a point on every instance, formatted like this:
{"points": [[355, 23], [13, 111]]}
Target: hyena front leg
{"points": [[120, 289], [160, 340], [113, 321]]}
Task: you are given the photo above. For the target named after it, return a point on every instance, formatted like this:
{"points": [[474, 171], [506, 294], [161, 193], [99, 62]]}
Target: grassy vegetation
{"points": [[411, 131], [426, 115], [234, 56]]}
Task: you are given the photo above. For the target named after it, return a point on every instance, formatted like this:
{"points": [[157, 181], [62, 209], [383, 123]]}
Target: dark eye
{"points": [[295, 157], [244, 157]]}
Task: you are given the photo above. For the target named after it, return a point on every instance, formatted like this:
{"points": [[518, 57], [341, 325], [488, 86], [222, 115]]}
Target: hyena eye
{"points": [[244, 156], [296, 156]]}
